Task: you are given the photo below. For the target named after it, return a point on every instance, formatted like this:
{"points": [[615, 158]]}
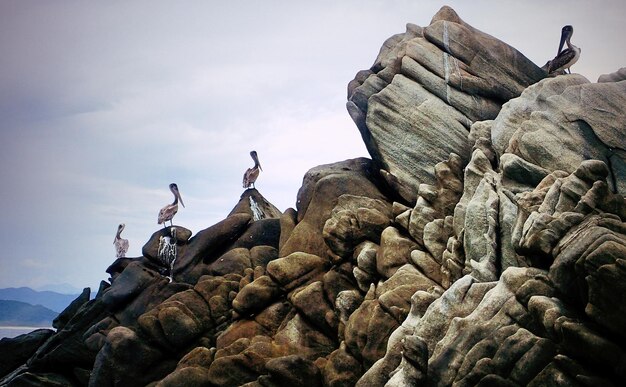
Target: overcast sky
{"points": [[103, 104]]}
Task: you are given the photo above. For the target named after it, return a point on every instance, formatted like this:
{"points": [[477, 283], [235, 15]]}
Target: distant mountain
{"points": [[22, 314], [57, 302], [63, 288]]}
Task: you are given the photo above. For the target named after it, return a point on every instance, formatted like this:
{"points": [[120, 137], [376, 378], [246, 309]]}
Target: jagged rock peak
{"points": [[255, 205], [415, 105], [619, 75]]}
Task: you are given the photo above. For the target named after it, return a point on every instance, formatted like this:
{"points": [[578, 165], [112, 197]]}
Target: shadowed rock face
{"points": [[483, 244]]}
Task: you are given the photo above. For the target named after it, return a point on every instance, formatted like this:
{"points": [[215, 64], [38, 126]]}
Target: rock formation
{"points": [[484, 243]]}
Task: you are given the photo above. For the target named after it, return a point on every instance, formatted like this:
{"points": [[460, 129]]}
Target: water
{"points": [[10, 331]]}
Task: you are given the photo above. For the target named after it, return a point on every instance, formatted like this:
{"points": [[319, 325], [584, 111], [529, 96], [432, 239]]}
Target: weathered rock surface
{"points": [[19, 349], [252, 202], [561, 130], [619, 75], [415, 105], [483, 244], [320, 192]]}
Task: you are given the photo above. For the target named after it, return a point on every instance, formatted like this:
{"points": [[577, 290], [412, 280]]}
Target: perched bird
{"points": [[168, 212], [566, 58], [121, 245], [252, 173]]}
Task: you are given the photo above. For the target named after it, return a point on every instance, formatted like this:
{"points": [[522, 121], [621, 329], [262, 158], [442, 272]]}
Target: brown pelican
{"points": [[121, 245], [566, 58], [168, 212], [252, 173]]}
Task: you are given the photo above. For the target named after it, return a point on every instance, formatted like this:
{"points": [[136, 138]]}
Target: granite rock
{"points": [[483, 244]]}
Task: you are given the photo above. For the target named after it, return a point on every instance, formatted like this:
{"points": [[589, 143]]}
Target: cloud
{"points": [[104, 104]]}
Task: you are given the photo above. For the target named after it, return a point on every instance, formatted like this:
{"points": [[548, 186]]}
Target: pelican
{"points": [[121, 245], [566, 58], [252, 173], [168, 212]]}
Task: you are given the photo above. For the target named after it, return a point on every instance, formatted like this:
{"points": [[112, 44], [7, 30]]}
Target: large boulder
{"points": [[320, 192], [416, 104], [256, 205], [21, 348], [563, 121]]}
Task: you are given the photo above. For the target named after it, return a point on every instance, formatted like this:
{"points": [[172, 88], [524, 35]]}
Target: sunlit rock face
{"points": [[483, 244]]}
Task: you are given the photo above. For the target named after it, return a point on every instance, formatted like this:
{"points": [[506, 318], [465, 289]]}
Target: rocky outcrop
{"points": [[21, 348], [619, 75], [427, 86], [483, 244], [560, 131]]}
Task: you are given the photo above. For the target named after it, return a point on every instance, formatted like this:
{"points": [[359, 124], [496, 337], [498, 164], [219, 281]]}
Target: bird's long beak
{"points": [[255, 157], [564, 36], [180, 199], [119, 231]]}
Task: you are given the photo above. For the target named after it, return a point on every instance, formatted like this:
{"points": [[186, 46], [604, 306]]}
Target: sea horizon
{"points": [[11, 331]]}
